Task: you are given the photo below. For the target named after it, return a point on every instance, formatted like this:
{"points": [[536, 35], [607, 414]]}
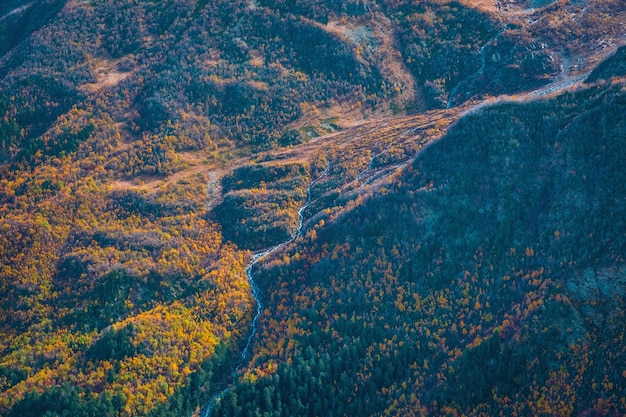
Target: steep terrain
{"points": [[461, 245], [485, 279]]}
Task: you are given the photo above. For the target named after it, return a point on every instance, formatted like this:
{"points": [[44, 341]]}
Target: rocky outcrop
{"points": [[598, 292]]}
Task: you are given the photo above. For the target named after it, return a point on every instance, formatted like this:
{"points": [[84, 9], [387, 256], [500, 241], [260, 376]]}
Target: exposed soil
{"points": [[107, 75]]}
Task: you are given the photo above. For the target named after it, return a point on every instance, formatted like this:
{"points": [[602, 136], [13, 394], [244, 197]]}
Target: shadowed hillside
{"points": [[443, 191], [488, 278]]}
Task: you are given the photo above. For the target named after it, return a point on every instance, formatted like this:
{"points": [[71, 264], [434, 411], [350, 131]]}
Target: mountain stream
{"points": [[256, 292]]}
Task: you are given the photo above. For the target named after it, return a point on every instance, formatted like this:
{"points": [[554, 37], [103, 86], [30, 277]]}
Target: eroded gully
{"points": [[256, 292]]}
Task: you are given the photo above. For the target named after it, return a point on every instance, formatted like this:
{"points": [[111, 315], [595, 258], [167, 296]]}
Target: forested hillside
{"points": [[442, 181], [486, 279]]}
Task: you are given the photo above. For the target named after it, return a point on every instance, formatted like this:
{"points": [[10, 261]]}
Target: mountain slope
{"points": [[460, 287], [146, 148]]}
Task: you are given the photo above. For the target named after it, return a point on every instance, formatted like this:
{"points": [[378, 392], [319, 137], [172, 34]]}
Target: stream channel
{"points": [[256, 293]]}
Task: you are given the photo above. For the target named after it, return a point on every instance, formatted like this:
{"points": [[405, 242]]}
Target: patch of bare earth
{"points": [[197, 164], [107, 75], [401, 134], [488, 6], [201, 165]]}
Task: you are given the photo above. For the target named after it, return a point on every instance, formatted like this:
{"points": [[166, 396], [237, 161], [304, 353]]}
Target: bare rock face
{"points": [[597, 291]]}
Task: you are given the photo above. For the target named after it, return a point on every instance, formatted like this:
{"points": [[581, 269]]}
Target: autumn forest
{"points": [[289, 208]]}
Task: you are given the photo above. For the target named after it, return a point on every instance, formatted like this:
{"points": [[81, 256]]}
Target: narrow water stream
{"points": [[472, 77], [256, 292], [16, 11]]}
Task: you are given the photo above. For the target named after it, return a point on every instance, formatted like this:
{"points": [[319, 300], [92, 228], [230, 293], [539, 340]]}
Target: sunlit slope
{"points": [[146, 148]]}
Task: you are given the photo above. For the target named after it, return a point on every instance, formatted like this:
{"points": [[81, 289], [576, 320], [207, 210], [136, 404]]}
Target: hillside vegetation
{"points": [[487, 279], [453, 257]]}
